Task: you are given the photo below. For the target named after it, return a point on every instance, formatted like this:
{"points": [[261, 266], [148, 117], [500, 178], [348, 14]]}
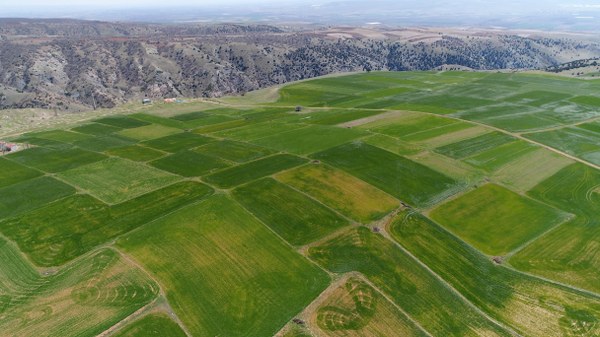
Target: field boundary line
{"points": [[350, 221], [450, 287], [329, 274], [566, 220], [394, 304], [556, 283], [305, 313], [131, 318], [508, 266], [294, 248], [310, 309], [564, 126], [135, 263], [110, 243], [518, 136]]}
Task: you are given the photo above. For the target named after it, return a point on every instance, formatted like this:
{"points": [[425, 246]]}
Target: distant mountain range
{"points": [[75, 65]]}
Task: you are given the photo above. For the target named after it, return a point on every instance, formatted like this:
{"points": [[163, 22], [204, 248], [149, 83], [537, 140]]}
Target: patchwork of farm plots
{"points": [[389, 204]]}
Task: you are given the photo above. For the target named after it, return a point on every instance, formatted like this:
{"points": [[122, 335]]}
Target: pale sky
{"points": [[123, 3]]}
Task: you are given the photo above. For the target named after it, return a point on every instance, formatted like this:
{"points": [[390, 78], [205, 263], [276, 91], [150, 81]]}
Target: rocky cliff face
{"points": [[75, 65]]}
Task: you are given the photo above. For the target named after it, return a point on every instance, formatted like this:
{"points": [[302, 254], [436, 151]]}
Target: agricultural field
{"points": [[14, 173], [234, 151], [582, 141], [153, 325], [371, 204], [227, 274], [341, 191], [115, 180], [136, 153], [61, 231], [55, 160], [253, 170], [104, 143], [148, 132], [400, 177], [309, 139], [189, 163], [496, 220], [96, 129], [357, 309], [177, 142], [568, 253], [81, 299], [415, 290], [527, 305], [474, 146], [31, 194], [295, 217]]}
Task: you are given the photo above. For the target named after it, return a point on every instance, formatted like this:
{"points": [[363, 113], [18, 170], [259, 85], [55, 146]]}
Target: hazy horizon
{"points": [[549, 15]]}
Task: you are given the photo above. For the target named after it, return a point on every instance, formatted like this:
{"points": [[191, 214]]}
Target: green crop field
{"points": [[62, 136], [55, 160], [189, 163], [61, 231], [136, 153], [227, 273], [178, 142], [578, 141], [396, 175], [13, 173], [31, 194], [153, 325], [103, 143], [411, 286], [309, 139], [568, 253], [294, 216], [341, 191], [437, 203], [497, 157], [234, 151], [530, 306], [474, 146], [96, 129], [115, 180], [253, 170], [122, 122], [148, 132], [496, 220], [256, 131]]}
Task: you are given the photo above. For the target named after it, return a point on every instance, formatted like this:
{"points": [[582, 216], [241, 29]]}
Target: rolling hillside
{"points": [[70, 65], [372, 204]]}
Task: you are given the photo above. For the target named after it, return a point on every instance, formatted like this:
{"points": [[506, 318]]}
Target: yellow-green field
{"points": [[341, 191]]}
